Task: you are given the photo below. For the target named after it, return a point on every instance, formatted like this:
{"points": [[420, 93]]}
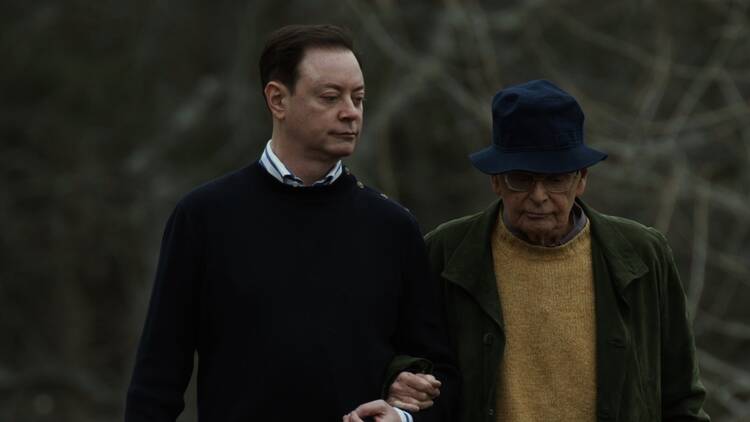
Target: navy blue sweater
{"points": [[295, 299]]}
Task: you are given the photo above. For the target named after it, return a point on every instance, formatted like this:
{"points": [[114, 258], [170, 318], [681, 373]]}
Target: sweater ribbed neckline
{"points": [[572, 247], [344, 183]]}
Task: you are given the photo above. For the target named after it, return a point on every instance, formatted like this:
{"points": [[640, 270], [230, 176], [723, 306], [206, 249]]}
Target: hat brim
{"points": [[492, 160]]}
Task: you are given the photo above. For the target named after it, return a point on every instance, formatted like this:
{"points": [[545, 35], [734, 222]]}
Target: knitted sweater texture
{"points": [[548, 372], [295, 300]]}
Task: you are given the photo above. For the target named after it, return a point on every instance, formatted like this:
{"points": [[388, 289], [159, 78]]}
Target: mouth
{"points": [[535, 215], [346, 135]]}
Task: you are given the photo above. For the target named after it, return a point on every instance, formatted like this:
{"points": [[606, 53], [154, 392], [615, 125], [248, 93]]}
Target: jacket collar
{"points": [[624, 262], [471, 266]]}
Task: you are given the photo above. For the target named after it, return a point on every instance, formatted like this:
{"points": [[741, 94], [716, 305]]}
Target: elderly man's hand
{"points": [[378, 410], [413, 392]]}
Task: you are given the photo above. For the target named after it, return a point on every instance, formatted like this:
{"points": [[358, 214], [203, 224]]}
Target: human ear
{"points": [[581, 186], [277, 96], [497, 184]]}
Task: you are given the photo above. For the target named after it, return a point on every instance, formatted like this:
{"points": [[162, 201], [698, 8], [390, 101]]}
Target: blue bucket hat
{"points": [[536, 127]]}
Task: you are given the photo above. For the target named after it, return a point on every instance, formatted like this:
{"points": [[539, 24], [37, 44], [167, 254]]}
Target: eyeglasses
{"points": [[519, 181]]}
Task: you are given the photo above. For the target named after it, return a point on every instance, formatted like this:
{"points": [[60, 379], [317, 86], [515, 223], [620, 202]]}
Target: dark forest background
{"points": [[110, 111]]}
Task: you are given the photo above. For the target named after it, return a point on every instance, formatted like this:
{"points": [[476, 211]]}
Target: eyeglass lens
{"points": [[524, 182]]}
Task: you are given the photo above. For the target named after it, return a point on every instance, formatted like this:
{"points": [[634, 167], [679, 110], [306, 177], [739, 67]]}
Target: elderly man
{"points": [[558, 312], [294, 283]]}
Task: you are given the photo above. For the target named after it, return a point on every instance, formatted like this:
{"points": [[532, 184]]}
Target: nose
{"points": [[349, 111], [538, 192]]}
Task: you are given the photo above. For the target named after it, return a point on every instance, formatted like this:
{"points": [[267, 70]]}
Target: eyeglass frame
{"points": [[536, 177]]}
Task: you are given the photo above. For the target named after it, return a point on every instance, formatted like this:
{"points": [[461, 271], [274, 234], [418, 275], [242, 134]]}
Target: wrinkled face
{"points": [[323, 115], [542, 216]]}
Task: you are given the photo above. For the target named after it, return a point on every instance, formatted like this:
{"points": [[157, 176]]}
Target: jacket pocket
{"points": [[645, 393]]}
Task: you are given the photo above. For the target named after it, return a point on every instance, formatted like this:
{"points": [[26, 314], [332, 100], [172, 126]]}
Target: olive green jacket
{"points": [[645, 353]]}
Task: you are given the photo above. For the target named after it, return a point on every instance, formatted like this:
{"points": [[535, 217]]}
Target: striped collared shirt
{"points": [[278, 170], [404, 415]]}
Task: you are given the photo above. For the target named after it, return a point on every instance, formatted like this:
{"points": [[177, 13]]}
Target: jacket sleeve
{"points": [[423, 332], [164, 361], [682, 391]]}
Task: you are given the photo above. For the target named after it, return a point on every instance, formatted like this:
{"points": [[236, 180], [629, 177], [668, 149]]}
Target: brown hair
{"points": [[286, 46]]}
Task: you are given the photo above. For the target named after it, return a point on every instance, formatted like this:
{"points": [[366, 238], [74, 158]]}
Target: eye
{"points": [[521, 177], [358, 100], [329, 98]]}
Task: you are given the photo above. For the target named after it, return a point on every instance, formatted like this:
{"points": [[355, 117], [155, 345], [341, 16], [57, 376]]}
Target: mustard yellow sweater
{"points": [[548, 372]]}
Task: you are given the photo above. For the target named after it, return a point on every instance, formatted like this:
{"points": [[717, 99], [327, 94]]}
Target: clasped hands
{"points": [[410, 392]]}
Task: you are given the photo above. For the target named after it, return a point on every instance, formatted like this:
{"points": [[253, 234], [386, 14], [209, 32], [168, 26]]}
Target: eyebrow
{"points": [[340, 88]]}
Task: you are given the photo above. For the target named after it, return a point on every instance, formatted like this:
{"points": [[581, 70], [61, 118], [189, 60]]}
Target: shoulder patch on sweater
{"points": [[384, 197]]}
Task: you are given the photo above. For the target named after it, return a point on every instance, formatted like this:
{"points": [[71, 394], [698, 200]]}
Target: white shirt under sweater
{"points": [[280, 172]]}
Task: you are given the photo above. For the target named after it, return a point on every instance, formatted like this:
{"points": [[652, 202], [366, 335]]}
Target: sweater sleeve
{"points": [[164, 361], [423, 331]]}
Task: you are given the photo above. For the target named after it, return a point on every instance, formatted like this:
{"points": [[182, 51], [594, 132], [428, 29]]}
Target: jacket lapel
{"points": [[470, 266], [615, 264]]}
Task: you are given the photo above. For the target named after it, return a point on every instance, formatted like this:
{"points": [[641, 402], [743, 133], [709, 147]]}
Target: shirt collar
{"points": [[280, 172]]}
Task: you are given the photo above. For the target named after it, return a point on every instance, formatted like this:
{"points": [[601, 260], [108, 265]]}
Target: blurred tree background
{"points": [[110, 111]]}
